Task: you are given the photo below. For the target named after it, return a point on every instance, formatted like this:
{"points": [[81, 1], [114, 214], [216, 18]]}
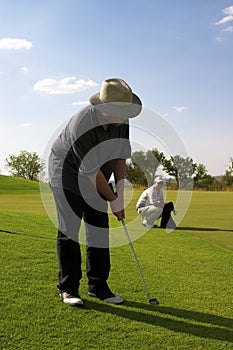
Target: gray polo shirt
{"points": [[83, 148]]}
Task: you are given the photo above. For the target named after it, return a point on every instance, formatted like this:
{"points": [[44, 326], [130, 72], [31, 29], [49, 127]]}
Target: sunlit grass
{"points": [[190, 271]]}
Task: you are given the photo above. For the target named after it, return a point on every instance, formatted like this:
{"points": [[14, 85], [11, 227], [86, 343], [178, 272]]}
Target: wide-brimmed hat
{"points": [[117, 99]]}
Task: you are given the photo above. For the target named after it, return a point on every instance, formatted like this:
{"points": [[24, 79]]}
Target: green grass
{"points": [[14, 185], [190, 271]]}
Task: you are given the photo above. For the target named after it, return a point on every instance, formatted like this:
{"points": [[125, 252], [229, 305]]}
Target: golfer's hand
{"points": [[159, 204], [117, 209]]}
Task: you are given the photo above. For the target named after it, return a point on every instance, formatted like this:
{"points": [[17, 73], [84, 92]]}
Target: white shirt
{"points": [[150, 196]]}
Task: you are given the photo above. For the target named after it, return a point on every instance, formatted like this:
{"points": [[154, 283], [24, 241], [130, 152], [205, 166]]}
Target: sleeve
{"points": [[123, 147], [142, 200]]}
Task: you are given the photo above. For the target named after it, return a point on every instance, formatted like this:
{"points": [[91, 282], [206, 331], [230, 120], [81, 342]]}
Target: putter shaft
{"points": [[135, 257]]}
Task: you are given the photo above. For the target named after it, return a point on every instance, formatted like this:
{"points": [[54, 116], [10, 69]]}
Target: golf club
{"points": [[152, 301]]}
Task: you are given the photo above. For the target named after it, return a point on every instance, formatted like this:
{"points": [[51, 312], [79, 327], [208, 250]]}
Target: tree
{"points": [[182, 169], [200, 172], [228, 176], [206, 183], [26, 165], [202, 179], [143, 166], [135, 175]]}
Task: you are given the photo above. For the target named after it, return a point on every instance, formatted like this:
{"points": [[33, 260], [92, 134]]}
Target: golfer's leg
{"points": [[166, 220], [152, 214], [68, 250], [69, 259], [97, 250]]}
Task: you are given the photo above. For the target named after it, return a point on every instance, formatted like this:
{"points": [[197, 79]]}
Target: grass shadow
{"points": [[188, 314], [214, 327], [204, 229]]}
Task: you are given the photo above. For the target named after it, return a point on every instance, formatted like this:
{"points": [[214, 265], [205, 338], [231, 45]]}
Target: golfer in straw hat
{"points": [[93, 146]]}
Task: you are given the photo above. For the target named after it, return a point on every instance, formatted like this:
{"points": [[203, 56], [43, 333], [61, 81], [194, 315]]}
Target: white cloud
{"points": [[225, 20], [14, 44], [179, 109], [80, 103], [228, 29], [25, 125], [228, 10], [24, 69], [220, 39], [229, 15], [68, 85]]}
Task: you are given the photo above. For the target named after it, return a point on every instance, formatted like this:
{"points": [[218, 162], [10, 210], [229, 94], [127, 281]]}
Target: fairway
{"points": [[190, 271]]}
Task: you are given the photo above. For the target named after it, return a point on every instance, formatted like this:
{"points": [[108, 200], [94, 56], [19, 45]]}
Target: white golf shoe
{"points": [[144, 223], [71, 299], [105, 294]]}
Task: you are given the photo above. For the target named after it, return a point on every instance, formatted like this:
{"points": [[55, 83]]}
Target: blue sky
{"points": [[176, 55]]}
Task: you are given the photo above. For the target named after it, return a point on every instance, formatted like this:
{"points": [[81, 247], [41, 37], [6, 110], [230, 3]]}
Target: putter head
{"points": [[153, 301]]}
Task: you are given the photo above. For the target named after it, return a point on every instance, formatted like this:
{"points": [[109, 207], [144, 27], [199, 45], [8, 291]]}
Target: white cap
{"points": [[158, 179]]}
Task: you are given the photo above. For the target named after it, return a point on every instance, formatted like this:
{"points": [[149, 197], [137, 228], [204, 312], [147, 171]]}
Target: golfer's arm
{"points": [[159, 203], [100, 183], [119, 176]]}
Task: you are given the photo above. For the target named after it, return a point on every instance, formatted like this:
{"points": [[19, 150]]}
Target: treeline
{"points": [[180, 172], [141, 170]]}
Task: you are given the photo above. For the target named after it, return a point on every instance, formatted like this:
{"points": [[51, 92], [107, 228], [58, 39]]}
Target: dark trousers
{"points": [[166, 219], [71, 209]]}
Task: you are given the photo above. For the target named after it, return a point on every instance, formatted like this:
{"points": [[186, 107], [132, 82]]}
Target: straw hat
{"points": [[117, 99]]}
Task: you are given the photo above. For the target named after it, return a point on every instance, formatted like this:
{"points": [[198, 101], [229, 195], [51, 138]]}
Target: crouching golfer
{"points": [[151, 206], [93, 146]]}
